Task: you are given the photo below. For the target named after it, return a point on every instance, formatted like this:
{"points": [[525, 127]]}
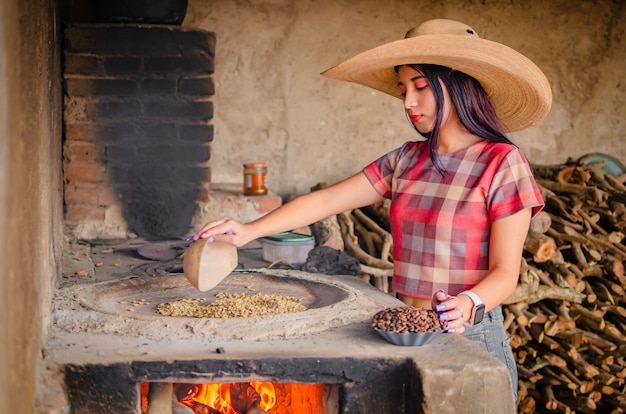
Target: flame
{"points": [[241, 397], [218, 396], [266, 391]]}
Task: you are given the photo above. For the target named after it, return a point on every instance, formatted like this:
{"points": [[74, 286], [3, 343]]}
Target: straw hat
{"points": [[517, 88]]}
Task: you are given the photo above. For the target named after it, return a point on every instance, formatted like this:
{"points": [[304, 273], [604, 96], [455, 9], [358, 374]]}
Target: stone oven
{"points": [[116, 354], [137, 128]]}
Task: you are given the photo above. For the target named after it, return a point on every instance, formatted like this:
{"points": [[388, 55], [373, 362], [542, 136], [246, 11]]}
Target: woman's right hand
{"points": [[225, 230], [449, 311]]}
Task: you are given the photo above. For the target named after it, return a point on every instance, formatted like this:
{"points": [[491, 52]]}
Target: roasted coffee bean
{"points": [[407, 319]]}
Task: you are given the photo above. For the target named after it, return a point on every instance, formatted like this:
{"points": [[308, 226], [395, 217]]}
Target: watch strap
{"points": [[477, 310], [474, 297]]}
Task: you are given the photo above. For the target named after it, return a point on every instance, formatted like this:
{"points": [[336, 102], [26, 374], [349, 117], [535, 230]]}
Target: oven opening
{"points": [[250, 397]]}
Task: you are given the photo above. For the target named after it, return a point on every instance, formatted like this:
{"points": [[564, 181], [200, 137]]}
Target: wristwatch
{"points": [[479, 307]]}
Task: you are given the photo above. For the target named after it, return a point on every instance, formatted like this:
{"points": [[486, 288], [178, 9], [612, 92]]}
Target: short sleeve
{"points": [[381, 171], [513, 187]]}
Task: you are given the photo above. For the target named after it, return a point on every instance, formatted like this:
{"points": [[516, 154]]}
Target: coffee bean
{"points": [[407, 319]]}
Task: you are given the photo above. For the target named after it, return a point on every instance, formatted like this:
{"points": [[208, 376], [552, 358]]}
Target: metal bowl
{"points": [[409, 338]]}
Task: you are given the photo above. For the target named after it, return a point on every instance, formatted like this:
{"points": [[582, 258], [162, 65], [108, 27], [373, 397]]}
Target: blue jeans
{"points": [[491, 336]]}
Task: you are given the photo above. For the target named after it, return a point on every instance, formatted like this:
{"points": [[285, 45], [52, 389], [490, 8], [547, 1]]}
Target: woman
{"points": [[462, 199]]}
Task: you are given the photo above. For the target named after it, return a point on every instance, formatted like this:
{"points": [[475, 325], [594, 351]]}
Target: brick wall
{"points": [[137, 118]]}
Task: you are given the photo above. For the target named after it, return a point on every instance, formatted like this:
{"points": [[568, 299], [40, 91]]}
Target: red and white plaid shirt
{"points": [[441, 223]]}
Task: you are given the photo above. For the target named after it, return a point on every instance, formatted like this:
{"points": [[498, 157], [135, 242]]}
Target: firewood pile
{"points": [[567, 317]]}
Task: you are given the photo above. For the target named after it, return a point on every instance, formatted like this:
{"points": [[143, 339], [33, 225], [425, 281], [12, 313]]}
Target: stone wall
{"points": [[272, 105]]}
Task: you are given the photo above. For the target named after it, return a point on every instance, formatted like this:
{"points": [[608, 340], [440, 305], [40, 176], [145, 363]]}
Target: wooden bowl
{"points": [[207, 264]]}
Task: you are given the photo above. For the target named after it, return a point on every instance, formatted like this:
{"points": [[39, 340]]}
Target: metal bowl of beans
{"points": [[408, 326]]}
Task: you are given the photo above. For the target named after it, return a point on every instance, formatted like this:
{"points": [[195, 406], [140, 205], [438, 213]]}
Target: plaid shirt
{"points": [[441, 224]]}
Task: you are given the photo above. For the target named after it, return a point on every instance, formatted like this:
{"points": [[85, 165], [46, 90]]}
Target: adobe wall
{"points": [[31, 220]]}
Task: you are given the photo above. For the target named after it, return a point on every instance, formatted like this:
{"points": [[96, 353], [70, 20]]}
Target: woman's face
{"points": [[419, 100]]}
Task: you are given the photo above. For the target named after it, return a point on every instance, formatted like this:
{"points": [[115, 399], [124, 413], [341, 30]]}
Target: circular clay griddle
{"points": [[331, 301], [139, 297]]}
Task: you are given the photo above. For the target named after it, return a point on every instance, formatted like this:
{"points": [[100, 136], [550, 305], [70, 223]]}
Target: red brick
{"points": [[168, 109], [80, 194], [122, 65], [107, 196], [201, 133], [90, 87], [98, 131], [79, 64], [198, 63], [79, 132], [159, 87], [83, 151], [207, 175], [197, 86], [80, 214], [90, 194], [117, 110], [204, 193], [138, 40], [84, 172]]}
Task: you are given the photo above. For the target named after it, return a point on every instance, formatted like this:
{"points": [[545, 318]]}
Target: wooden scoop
{"points": [[207, 264]]}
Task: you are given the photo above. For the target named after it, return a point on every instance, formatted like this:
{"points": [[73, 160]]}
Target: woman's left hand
{"points": [[449, 311]]}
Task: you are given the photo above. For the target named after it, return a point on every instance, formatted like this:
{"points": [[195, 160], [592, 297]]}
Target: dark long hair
{"points": [[471, 102]]}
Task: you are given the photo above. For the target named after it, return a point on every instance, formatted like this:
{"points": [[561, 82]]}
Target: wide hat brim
{"points": [[518, 89]]}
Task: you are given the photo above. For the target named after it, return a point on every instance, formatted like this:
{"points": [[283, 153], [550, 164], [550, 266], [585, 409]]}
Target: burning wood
{"points": [[567, 317], [236, 398], [253, 397], [245, 399]]}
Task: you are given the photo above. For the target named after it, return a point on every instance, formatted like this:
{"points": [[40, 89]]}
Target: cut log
{"points": [[541, 222], [387, 239], [528, 294], [541, 246], [573, 175]]}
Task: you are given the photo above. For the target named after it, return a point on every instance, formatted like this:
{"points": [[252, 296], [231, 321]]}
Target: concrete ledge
{"points": [[225, 200], [228, 200], [471, 381]]}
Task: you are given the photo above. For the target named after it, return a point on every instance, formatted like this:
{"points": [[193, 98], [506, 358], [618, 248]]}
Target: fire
{"points": [[253, 397], [237, 398], [267, 393]]}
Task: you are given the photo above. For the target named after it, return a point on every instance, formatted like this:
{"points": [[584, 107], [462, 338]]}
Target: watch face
{"points": [[480, 312]]}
